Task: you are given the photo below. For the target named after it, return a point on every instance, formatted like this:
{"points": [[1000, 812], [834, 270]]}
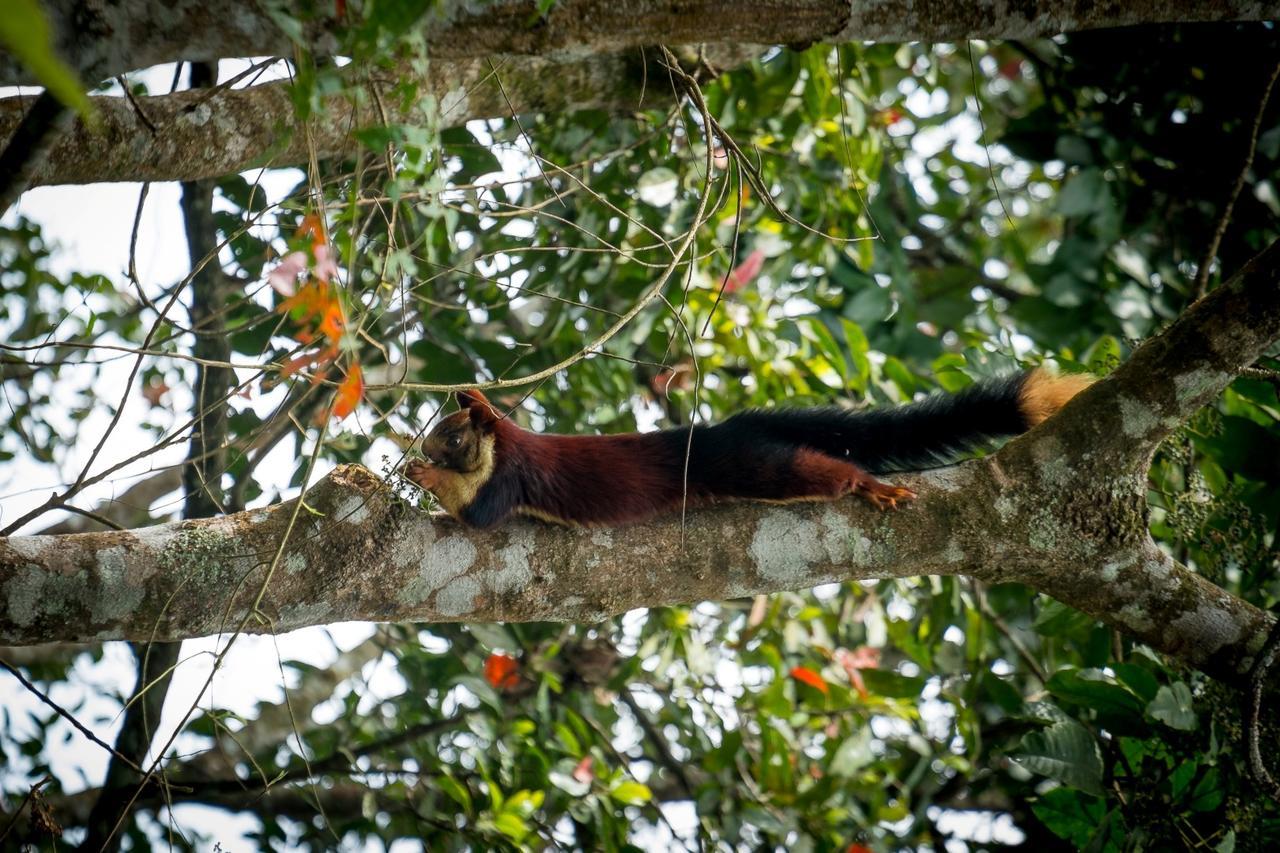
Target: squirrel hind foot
{"points": [[883, 495]]}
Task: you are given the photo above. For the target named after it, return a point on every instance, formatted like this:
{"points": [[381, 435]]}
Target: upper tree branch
{"points": [[123, 36], [238, 129]]}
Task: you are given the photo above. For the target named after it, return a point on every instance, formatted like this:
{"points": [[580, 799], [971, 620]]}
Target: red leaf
{"points": [[1011, 70], [857, 848], [502, 671], [890, 117], [154, 392], [744, 272], [349, 393], [807, 676], [863, 657], [584, 772]]}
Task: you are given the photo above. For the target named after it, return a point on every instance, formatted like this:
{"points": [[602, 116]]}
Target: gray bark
{"points": [[587, 49], [111, 38], [238, 129], [1053, 509]]}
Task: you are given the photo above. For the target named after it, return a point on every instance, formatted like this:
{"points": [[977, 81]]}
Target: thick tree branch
{"points": [[122, 36], [1062, 509], [360, 555], [238, 129], [28, 141]]}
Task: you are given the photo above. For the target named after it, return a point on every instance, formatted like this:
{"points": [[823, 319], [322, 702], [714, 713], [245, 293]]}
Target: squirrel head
{"points": [[463, 441]]}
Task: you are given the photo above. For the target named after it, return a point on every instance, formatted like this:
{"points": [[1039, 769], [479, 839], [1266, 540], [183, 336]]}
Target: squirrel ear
{"points": [[483, 416], [469, 398]]}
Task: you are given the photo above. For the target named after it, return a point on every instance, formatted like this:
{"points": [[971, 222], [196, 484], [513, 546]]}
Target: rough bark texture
{"points": [[238, 129], [365, 556], [113, 37]]}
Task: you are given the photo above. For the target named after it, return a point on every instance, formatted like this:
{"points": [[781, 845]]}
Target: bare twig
{"points": [[65, 714], [1202, 272], [17, 813], [1029, 659]]}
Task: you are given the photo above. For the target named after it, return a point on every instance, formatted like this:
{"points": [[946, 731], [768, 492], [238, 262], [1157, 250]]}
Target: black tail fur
{"points": [[917, 435]]}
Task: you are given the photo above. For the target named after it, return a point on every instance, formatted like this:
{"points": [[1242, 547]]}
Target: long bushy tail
{"points": [[929, 432]]}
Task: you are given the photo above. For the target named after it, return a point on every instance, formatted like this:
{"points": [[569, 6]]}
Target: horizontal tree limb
{"points": [[192, 134], [360, 554], [104, 39], [1053, 509]]}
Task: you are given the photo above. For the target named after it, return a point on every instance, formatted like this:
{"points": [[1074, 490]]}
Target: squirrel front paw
{"points": [[423, 473]]}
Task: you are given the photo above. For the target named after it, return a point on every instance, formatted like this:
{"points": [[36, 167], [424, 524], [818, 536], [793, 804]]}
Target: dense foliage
{"points": [[892, 260]]}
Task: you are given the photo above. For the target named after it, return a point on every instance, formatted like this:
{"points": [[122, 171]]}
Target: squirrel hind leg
{"points": [[817, 476]]}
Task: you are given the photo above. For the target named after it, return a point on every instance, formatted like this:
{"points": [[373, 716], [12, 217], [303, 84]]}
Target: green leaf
{"points": [[456, 791], [893, 685], [511, 825], [1089, 688], [1066, 752], [494, 636], [1070, 814], [853, 754], [631, 793], [1138, 678], [1173, 707], [1084, 192], [24, 30], [1056, 619]]}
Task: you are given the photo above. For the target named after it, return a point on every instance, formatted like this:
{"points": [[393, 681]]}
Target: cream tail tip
{"points": [[1045, 392]]}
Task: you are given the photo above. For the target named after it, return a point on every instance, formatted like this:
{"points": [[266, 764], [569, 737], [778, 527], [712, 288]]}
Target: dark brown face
{"points": [[455, 444]]}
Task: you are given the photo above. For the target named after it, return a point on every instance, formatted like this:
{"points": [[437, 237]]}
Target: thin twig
{"points": [[133, 102], [659, 742], [65, 714], [88, 513], [982, 134], [33, 792], [1003, 627], [1202, 273]]}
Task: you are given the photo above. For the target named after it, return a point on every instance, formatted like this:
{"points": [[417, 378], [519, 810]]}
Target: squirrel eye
{"points": [[455, 441]]}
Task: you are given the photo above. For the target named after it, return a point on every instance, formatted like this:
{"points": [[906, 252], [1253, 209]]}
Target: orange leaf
{"points": [[502, 671], [310, 301], [312, 226], [349, 393], [807, 676], [857, 848], [332, 322], [318, 362]]}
